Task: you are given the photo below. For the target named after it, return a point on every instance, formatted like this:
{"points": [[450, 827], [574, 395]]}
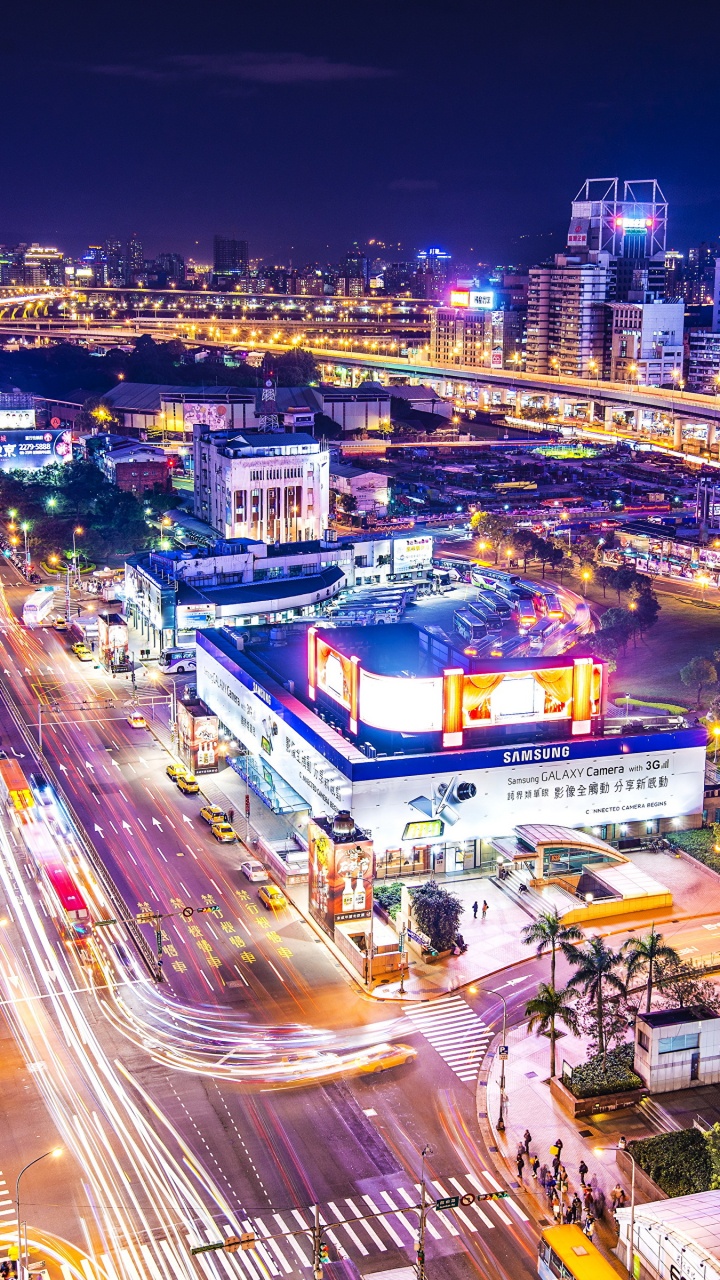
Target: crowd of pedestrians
{"points": [[587, 1203]]}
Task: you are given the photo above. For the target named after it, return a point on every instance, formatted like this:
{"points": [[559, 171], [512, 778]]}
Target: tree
{"points": [[623, 578], [617, 1016], [595, 974], [643, 954], [548, 1008], [698, 674], [437, 914], [681, 987], [292, 369], [548, 931]]}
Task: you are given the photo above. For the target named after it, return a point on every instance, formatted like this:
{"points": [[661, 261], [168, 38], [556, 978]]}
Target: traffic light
{"points": [[323, 1253]]}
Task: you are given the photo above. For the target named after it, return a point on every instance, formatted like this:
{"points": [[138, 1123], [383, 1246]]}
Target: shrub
{"points": [[699, 844], [679, 1162], [589, 1080], [389, 896], [437, 914]]}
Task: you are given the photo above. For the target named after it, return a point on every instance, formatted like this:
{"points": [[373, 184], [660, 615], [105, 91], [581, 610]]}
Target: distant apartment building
{"points": [[646, 342], [230, 261], [700, 274], [477, 336], [134, 261], [272, 487], [704, 362], [137, 468], [566, 316], [172, 267], [43, 266]]}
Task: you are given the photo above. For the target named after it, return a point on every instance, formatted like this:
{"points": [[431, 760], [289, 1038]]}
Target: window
{"points": [[643, 1041], [674, 1044]]}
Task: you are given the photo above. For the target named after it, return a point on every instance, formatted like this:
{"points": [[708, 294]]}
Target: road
{"points": [[164, 1150]]}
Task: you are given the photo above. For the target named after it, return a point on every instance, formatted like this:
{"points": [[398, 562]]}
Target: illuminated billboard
{"points": [[453, 701], [473, 299], [412, 554], [197, 737], [31, 450], [17, 419], [340, 876], [214, 416]]}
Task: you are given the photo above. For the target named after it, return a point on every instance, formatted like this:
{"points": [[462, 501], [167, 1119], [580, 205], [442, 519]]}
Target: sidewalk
{"points": [[529, 1105]]}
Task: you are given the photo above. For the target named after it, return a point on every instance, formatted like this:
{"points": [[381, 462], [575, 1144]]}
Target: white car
{"points": [[254, 870]]}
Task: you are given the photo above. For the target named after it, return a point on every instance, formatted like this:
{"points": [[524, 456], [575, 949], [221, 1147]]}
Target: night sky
{"points": [[305, 126]]}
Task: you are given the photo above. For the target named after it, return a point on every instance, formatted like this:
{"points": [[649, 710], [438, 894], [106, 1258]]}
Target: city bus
{"points": [[491, 579], [491, 600], [38, 606], [181, 660], [75, 916], [488, 615], [565, 1253]]}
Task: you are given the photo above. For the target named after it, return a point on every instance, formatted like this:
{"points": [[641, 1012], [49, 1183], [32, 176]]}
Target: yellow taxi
{"points": [[223, 832], [188, 783], [174, 771], [383, 1056], [78, 646], [272, 898], [212, 813], [60, 624], [84, 654]]}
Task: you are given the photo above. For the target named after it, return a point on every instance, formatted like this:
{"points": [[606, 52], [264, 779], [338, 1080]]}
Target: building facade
{"points": [[566, 316], [704, 363], [271, 487], [476, 336], [646, 342]]}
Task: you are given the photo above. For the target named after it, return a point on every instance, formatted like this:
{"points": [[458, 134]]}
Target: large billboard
{"points": [[17, 419], [411, 554], [197, 737], [340, 878], [214, 416], [31, 450]]}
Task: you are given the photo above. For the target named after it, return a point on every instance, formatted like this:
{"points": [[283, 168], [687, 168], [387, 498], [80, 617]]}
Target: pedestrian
{"points": [[231, 815], [599, 1204], [520, 1149], [559, 1145], [550, 1188], [568, 1215], [588, 1199], [588, 1227], [543, 1175], [555, 1165], [475, 910], [535, 1166], [556, 1208], [622, 1142], [582, 1170], [484, 909], [621, 1198], [527, 1138], [576, 1208], [520, 1167]]}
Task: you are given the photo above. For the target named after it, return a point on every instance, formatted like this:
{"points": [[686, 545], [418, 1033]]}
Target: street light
{"points": [[25, 528], [57, 1151], [585, 579], [503, 1048], [716, 735]]}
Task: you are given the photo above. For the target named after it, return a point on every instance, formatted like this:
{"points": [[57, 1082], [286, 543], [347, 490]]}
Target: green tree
{"points": [[642, 955], [681, 987], [596, 966], [698, 674], [437, 914], [548, 932], [548, 1008]]}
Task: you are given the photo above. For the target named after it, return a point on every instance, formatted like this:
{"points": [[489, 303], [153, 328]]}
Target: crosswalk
{"points": [[7, 1208], [362, 1226], [454, 1031]]}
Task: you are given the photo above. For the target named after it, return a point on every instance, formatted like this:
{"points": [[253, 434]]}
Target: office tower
{"points": [[172, 267], [433, 272], [566, 315], [96, 260], [230, 257], [134, 261], [354, 274], [115, 259], [674, 275], [700, 274], [43, 266]]}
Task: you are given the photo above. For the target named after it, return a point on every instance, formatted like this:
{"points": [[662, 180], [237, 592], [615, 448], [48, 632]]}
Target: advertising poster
{"points": [[410, 554], [333, 673], [197, 738], [17, 419], [214, 416], [340, 878], [31, 450]]}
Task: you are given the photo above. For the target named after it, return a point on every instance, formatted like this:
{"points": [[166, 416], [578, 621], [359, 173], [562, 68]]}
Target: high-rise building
{"points": [[43, 265], [700, 274], [230, 257], [354, 274], [704, 363], [96, 260], [476, 332], [433, 272], [172, 267], [115, 259], [134, 261], [566, 316], [674, 275]]}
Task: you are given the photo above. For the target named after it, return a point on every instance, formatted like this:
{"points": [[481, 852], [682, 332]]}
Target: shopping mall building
{"points": [[437, 753]]}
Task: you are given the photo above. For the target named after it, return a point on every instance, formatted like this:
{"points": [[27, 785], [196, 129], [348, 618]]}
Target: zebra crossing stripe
{"points": [[454, 1031]]}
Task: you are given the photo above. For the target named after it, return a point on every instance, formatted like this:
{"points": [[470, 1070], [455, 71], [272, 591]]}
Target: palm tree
{"points": [[549, 931], [596, 965], [644, 953], [548, 1007]]}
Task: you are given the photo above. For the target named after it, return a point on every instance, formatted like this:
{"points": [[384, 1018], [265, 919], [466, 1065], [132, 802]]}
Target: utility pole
{"points": [[317, 1243], [503, 1056], [420, 1246]]}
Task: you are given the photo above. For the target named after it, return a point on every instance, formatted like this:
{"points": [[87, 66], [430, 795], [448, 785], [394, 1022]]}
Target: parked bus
{"points": [[486, 614], [469, 626], [38, 606], [181, 660], [541, 633], [495, 602], [565, 1253], [492, 578]]}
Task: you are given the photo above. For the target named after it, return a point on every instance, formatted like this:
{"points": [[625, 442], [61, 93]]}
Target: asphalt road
{"points": [[258, 1155]]}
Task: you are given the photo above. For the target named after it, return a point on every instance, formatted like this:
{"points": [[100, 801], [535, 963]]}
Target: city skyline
{"points": [[307, 134]]}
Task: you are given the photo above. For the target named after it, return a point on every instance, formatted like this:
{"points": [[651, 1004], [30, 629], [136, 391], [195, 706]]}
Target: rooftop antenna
{"points": [[269, 420]]}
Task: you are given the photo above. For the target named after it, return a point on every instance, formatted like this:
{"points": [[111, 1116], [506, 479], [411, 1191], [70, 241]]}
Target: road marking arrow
{"points": [[89, 766], [126, 825], [186, 819], [63, 767], [28, 672], [97, 828], [156, 823], [5, 671]]}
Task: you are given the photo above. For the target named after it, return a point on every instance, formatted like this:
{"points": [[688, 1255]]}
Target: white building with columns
{"points": [[271, 487]]}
